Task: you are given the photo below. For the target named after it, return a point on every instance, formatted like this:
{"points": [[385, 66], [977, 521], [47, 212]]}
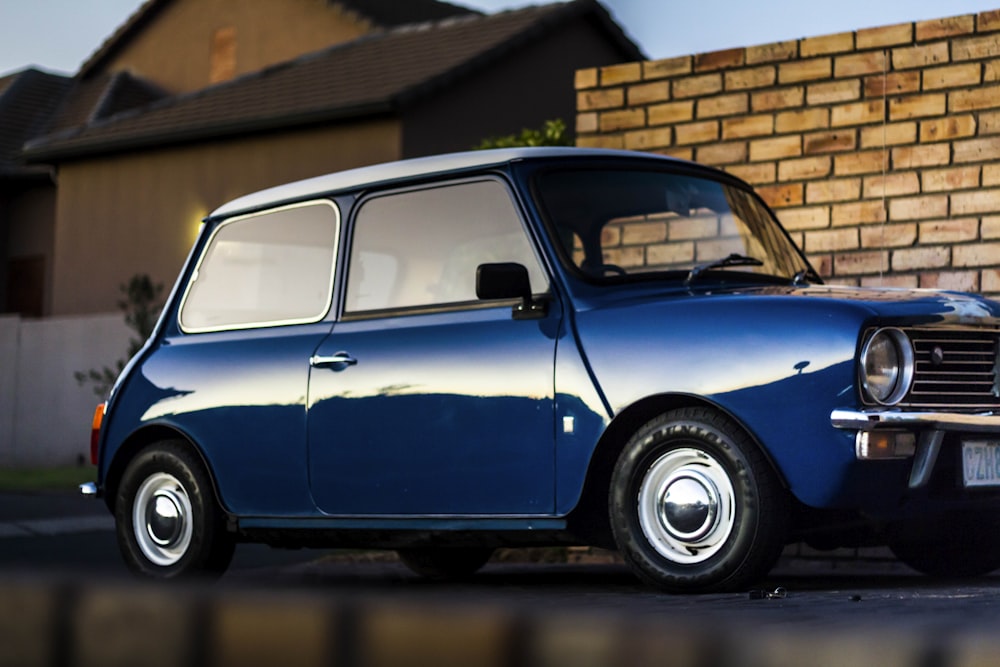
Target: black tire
{"points": [[167, 521], [965, 545], [729, 517], [445, 562]]}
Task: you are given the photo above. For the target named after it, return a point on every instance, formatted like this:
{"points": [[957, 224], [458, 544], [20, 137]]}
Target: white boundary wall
{"points": [[44, 413]]}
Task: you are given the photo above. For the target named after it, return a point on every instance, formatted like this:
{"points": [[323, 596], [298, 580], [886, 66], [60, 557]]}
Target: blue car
{"points": [[549, 346]]}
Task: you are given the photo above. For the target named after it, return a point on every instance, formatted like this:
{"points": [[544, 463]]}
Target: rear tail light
{"points": [[95, 431]]}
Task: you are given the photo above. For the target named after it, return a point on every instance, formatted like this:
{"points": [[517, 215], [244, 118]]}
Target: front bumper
{"points": [[929, 427]]}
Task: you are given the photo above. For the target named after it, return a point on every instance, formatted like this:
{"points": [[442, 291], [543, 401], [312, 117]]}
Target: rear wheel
{"points": [[168, 524], [694, 505], [445, 562]]}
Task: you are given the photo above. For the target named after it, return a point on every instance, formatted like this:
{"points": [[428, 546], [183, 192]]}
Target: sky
{"points": [[59, 35]]}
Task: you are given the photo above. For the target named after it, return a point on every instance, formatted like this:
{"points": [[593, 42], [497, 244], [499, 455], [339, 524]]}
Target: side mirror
{"points": [[509, 280]]}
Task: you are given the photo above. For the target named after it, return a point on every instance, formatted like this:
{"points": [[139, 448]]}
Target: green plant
{"points": [[141, 305], [552, 133]]}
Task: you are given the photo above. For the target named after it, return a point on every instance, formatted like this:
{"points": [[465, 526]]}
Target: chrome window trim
{"points": [[265, 323]]}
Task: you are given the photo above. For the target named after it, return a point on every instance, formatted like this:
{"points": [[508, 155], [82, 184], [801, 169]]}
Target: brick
{"points": [[778, 99], [585, 78], [670, 113], [805, 168], [976, 150], [918, 208], [891, 185], [977, 201], [920, 258], [805, 70], [830, 142], [697, 133], [891, 134], [644, 140], [859, 64], [856, 263], [890, 35], [976, 254], [667, 68], [865, 162], [946, 129], [975, 48], [920, 56], [988, 20], [723, 105], [937, 232], [747, 126], [628, 256], [832, 240], [917, 106], [771, 53], [858, 113], [614, 75], [670, 253], [623, 119], [716, 60], [953, 76], [586, 122], [961, 281], [720, 154], [991, 73], [826, 44], [989, 228], [989, 123], [833, 91], [888, 236], [755, 174], [924, 155], [601, 141], [798, 219], [747, 78], [857, 213], [822, 263], [893, 83], [897, 281], [647, 93], [694, 228], [595, 100], [642, 233], [974, 100], [991, 174], [779, 196], [942, 180], [802, 120], [679, 153], [697, 86], [946, 27], [990, 282], [775, 149], [827, 191]]}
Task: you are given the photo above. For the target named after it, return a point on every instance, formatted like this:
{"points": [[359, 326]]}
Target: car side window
{"points": [[266, 269], [421, 248]]}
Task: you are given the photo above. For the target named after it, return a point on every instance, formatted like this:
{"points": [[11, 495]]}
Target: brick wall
{"points": [[878, 149]]}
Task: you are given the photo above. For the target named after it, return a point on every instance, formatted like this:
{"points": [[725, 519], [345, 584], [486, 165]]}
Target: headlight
{"points": [[887, 366]]}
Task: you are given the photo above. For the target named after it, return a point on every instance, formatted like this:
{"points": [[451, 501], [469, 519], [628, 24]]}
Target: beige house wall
{"points": [[878, 149], [139, 213], [252, 34]]}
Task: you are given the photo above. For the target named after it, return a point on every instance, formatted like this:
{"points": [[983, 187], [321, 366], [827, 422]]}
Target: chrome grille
{"points": [[954, 368]]}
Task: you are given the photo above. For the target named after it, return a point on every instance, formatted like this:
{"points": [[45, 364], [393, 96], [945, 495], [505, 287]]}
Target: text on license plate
{"points": [[981, 463]]}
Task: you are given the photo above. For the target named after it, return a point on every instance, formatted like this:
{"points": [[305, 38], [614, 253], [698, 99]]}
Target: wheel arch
{"points": [[589, 519]]}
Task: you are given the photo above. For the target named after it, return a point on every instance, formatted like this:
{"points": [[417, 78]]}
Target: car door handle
{"points": [[338, 359]]}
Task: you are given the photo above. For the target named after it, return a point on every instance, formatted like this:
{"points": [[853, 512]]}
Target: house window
{"points": [[223, 60]]}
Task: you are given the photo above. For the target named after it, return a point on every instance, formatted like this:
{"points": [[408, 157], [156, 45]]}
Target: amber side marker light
{"points": [[95, 431], [885, 445]]}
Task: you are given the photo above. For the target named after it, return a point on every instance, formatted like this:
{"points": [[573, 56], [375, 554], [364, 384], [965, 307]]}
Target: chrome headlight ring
{"points": [[886, 367]]}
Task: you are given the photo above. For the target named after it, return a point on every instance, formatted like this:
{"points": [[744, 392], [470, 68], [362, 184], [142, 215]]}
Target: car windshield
{"points": [[661, 224]]}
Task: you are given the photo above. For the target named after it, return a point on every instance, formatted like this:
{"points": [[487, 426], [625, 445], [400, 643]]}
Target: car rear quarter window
{"points": [[421, 248], [267, 269]]}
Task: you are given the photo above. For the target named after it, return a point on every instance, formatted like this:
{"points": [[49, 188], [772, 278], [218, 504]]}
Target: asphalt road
{"points": [[72, 537]]}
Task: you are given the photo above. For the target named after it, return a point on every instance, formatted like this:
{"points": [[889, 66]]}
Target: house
{"points": [[193, 102]]}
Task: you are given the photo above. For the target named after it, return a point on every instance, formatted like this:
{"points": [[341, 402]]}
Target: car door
{"points": [[425, 400]]}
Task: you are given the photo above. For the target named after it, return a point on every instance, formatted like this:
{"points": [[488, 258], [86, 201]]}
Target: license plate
{"points": [[981, 463]]}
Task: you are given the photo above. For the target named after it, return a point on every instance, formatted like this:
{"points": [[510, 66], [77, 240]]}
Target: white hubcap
{"points": [[161, 518]]}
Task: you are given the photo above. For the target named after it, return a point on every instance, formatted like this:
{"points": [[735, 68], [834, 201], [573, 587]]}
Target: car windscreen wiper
{"points": [[732, 260]]}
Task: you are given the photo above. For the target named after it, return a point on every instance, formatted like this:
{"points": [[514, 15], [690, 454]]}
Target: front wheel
{"points": [[167, 521], [694, 506]]}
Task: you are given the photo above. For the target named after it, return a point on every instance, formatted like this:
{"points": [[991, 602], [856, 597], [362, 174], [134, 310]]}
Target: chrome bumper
{"points": [[930, 428]]}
